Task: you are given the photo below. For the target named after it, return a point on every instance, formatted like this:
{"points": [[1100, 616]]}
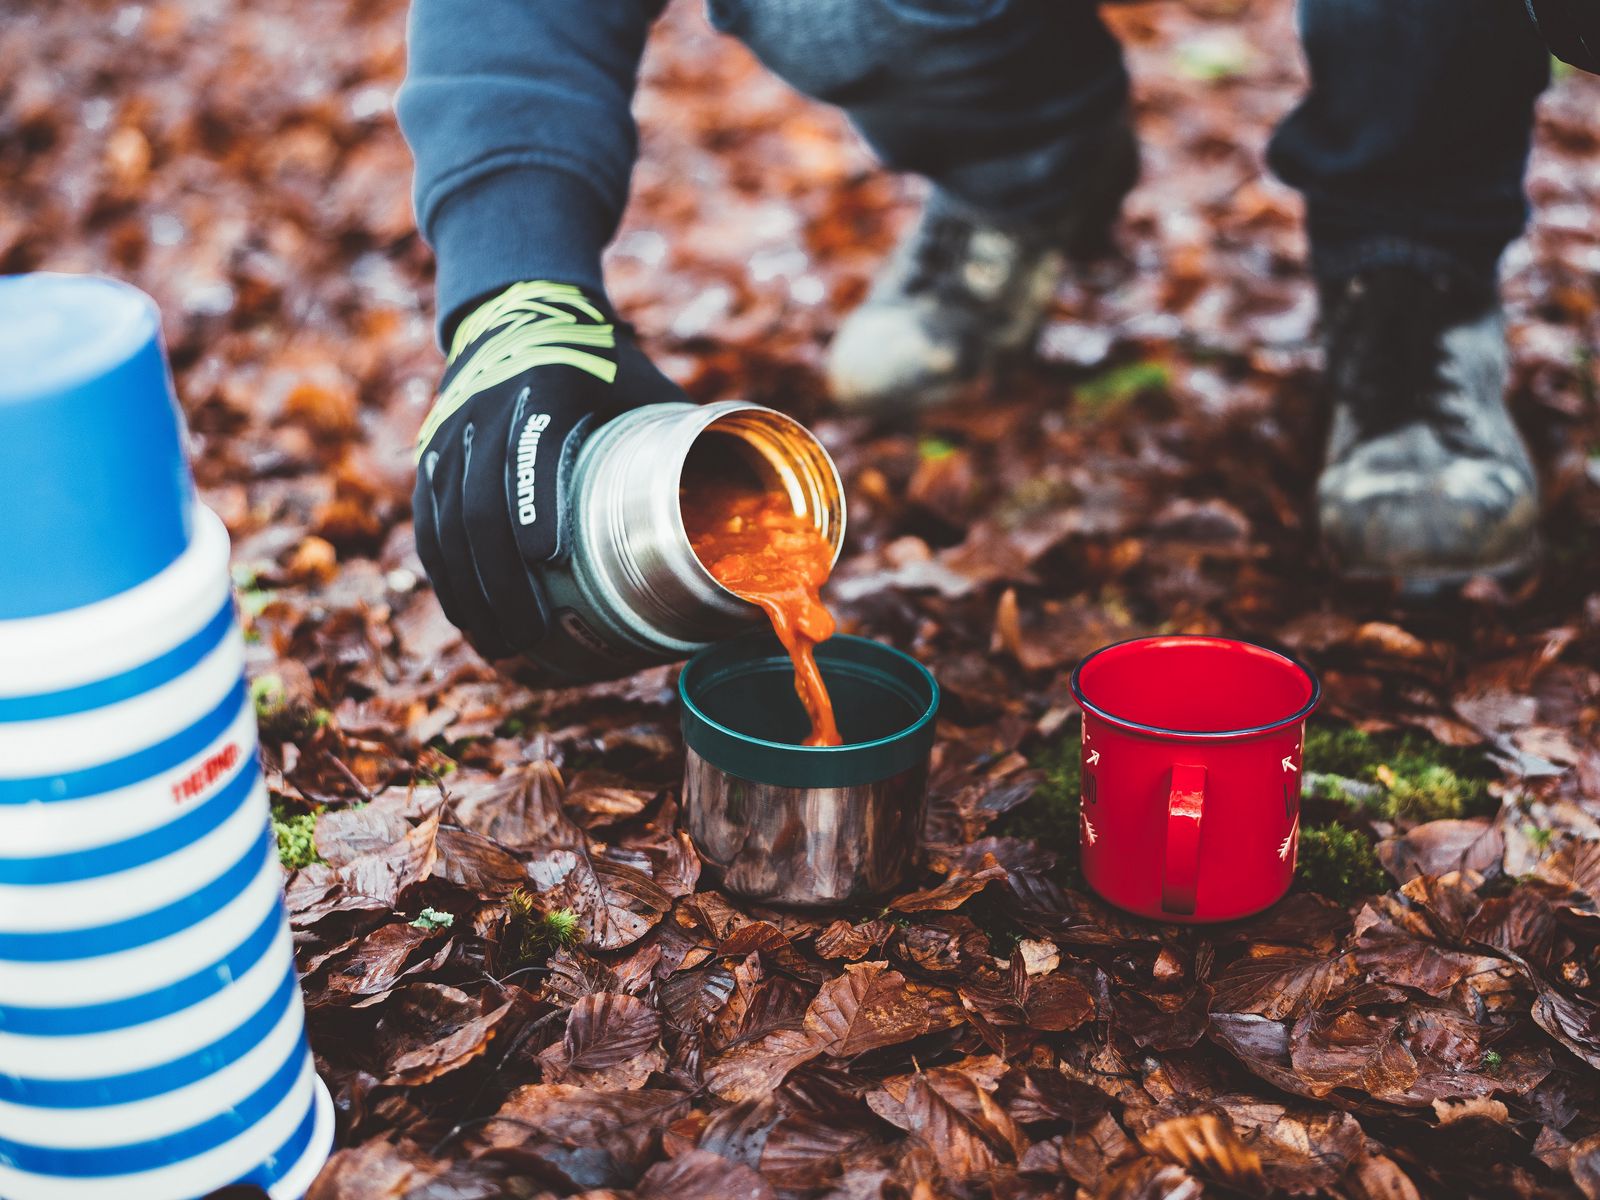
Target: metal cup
{"points": [[792, 824]]}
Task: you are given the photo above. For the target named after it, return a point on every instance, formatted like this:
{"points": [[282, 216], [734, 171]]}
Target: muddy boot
{"points": [[960, 293], [1427, 482]]}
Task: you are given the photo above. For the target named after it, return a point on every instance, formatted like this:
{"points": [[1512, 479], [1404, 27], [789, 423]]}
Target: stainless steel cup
{"points": [[791, 824]]}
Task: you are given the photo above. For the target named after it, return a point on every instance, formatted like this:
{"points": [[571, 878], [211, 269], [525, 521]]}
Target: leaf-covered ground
{"points": [[518, 984]]}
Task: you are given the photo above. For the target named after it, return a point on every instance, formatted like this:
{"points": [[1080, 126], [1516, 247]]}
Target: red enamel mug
{"points": [[1191, 774]]}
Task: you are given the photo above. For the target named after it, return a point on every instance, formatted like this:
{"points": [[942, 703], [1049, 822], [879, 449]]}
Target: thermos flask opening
{"points": [[632, 592], [775, 453]]}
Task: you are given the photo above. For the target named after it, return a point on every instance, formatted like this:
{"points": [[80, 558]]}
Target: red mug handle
{"points": [[1185, 804]]}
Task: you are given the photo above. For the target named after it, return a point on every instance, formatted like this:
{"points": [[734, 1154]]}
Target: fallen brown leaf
{"points": [[871, 1006]]}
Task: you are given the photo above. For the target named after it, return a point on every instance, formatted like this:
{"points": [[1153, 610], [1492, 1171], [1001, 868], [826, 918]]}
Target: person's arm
{"points": [[1571, 28], [517, 113]]}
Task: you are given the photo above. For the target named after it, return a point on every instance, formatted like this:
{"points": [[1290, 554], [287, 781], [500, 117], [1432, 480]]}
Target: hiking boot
{"points": [[1427, 481], [960, 293]]}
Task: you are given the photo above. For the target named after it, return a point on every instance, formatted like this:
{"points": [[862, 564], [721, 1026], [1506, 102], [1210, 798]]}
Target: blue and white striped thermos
{"points": [[152, 1041]]}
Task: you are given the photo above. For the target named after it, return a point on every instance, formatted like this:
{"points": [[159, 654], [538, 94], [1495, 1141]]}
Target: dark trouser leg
{"points": [[1003, 104], [1411, 144]]}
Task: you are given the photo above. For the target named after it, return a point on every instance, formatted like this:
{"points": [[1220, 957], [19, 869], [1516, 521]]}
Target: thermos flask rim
{"points": [[1212, 735]]}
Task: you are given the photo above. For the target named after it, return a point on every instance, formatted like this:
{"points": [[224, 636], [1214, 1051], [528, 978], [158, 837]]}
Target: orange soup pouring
{"points": [[754, 544]]}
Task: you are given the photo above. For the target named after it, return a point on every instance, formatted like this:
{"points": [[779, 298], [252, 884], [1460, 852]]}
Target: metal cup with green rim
{"points": [[806, 825]]}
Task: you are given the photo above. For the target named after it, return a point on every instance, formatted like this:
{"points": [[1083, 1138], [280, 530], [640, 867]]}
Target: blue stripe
{"points": [[134, 682], [109, 1015], [134, 768], [287, 1156], [87, 1162], [99, 861], [162, 1078], [68, 945]]}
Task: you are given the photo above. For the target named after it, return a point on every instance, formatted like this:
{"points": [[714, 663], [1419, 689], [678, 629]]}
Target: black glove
{"points": [[1571, 28], [530, 373]]}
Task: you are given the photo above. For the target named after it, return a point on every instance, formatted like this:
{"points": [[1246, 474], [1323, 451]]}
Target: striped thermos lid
{"points": [[152, 1037]]}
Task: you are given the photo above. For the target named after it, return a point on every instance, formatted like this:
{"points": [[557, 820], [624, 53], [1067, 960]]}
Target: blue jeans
{"points": [[1409, 147]]}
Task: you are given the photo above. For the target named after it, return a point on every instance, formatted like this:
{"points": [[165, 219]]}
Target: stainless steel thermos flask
{"points": [[631, 592]]}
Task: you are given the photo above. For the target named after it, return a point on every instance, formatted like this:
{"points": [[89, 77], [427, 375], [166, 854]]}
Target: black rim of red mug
{"points": [[1218, 734]]}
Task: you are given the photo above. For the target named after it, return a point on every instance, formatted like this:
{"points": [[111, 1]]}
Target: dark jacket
{"points": [[518, 115]]}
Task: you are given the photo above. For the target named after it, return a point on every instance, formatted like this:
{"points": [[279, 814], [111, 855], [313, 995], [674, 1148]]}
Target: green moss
{"points": [[296, 835], [1421, 779], [432, 919], [1431, 793], [933, 449], [279, 717], [1492, 1060], [1339, 863], [253, 598], [1113, 389], [561, 928], [1050, 815], [267, 694], [530, 931]]}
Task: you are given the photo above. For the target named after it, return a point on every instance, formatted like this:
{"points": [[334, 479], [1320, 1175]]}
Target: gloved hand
{"points": [[1571, 28], [529, 375]]}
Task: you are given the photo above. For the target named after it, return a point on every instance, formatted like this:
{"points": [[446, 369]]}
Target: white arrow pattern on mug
{"points": [[1094, 757], [1288, 842]]}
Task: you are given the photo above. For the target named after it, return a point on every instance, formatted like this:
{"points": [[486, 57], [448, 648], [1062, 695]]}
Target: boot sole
{"points": [[1435, 583]]}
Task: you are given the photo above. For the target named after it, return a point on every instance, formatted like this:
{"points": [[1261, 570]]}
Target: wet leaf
{"points": [[1583, 1160], [844, 940], [753, 1069], [520, 809], [1281, 985], [474, 862], [871, 1005], [584, 1138], [1574, 868], [1206, 1145], [1439, 847], [701, 1175], [953, 892], [606, 1029], [374, 1170], [368, 967], [600, 798], [369, 882], [965, 1127], [1352, 1050], [1573, 1022], [451, 1052], [616, 904], [1086, 1157]]}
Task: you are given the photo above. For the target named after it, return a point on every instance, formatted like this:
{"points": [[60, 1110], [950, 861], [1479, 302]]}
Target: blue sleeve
{"points": [[518, 115]]}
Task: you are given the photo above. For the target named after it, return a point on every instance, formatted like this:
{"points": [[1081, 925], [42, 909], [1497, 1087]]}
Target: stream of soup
{"points": [[754, 545]]}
